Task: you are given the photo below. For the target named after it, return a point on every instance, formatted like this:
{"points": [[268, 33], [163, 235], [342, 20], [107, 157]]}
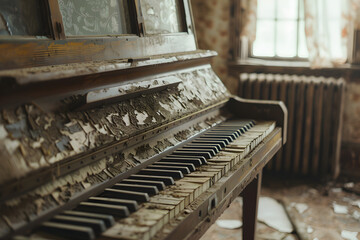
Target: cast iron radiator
{"points": [[315, 106]]}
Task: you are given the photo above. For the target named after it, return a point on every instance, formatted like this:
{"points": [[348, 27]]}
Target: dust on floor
{"points": [[317, 211]]}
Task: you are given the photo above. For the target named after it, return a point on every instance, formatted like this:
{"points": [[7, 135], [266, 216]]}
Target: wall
{"points": [[212, 23], [350, 152]]}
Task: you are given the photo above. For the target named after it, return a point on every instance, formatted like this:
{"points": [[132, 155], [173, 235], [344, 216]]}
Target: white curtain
{"points": [[329, 26]]}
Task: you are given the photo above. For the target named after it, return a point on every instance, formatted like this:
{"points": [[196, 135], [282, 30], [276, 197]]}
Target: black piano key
{"points": [[165, 179], [151, 190], [108, 219], [183, 159], [184, 170], [159, 184], [210, 141], [98, 226], [115, 210], [124, 194], [193, 152], [132, 205], [190, 166], [202, 147], [170, 173], [68, 231]]}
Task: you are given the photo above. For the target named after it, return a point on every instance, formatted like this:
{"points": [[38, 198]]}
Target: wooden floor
{"points": [[317, 221]]}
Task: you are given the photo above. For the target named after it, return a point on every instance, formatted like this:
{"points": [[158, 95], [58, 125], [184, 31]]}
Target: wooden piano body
{"points": [[81, 114]]}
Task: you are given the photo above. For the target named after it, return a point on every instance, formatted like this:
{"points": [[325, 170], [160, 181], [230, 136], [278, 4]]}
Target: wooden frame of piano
{"points": [[20, 53], [24, 52]]}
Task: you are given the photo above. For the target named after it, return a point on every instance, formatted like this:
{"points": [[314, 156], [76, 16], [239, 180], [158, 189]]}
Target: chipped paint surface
{"points": [[28, 134], [31, 139]]}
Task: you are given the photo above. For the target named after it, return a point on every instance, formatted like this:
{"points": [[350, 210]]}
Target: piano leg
{"points": [[250, 206]]}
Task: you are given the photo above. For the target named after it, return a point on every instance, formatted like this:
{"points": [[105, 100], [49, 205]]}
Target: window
{"points": [[280, 30]]}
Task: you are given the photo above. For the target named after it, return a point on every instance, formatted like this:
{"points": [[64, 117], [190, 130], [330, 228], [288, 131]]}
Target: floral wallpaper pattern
{"points": [[212, 21], [92, 17]]}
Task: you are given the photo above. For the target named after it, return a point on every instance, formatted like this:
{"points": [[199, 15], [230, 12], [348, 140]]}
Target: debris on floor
{"points": [[349, 235], [316, 211], [273, 214], [229, 224], [300, 207], [340, 209]]}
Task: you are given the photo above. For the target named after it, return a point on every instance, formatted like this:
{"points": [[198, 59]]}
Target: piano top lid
{"points": [[30, 75]]}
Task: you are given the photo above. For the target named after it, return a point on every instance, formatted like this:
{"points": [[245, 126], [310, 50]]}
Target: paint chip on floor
{"points": [[273, 214], [349, 235], [229, 224]]}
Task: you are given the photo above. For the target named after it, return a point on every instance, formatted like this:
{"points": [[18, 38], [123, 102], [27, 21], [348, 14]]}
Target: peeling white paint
{"points": [[11, 145], [167, 107], [38, 143], [100, 129], [48, 122], [110, 116], [126, 120], [78, 141], [3, 132], [141, 117], [86, 127]]}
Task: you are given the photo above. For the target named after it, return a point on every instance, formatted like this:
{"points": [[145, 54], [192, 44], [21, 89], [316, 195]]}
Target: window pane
{"points": [[302, 51], [163, 16], [286, 38], [93, 17], [265, 37], [23, 18], [287, 9], [266, 9]]}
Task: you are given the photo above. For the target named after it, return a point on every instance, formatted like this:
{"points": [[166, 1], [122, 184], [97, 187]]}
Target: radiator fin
{"points": [[315, 107]]}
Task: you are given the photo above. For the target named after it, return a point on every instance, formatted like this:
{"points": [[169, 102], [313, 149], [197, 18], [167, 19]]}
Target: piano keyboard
{"points": [[139, 206]]}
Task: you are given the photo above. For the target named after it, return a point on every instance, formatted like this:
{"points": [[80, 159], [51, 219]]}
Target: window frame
{"points": [[296, 58]]}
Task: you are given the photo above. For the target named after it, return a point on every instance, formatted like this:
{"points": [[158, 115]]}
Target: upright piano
{"points": [[113, 124]]}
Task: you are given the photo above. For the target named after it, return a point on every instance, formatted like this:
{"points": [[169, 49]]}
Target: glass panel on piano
{"points": [[23, 18], [92, 17], [163, 16]]}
